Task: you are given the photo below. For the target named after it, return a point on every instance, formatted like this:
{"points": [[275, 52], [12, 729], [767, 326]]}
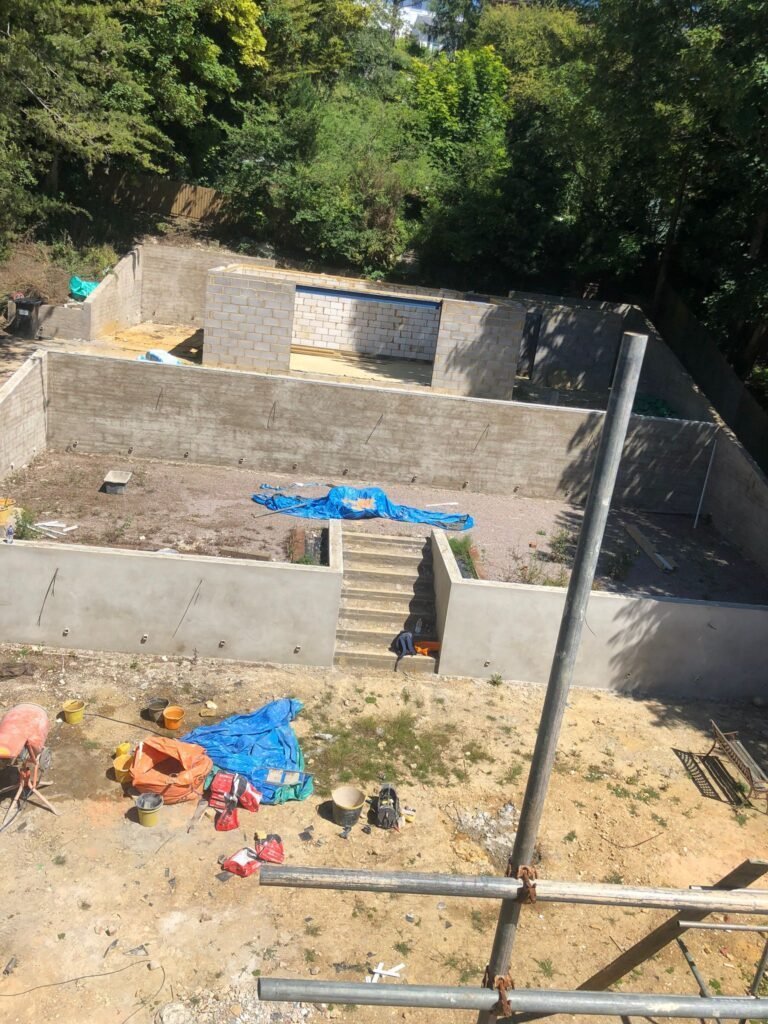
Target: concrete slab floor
{"points": [[389, 372], [208, 510]]}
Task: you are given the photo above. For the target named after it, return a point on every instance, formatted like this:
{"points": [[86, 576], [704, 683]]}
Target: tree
{"points": [[455, 22], [66, 94]]}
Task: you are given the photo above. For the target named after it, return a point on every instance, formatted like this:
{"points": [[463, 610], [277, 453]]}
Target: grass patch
{"points": [[594, 773], [562, 547], [644, 795], [475, 753], [376, 746], [569, 838], [546, 967], [482, 920], [462, 548], [741, 819], [614, 878], [715, 986], [496, 679], [310, 956], [511, 775], [402, 947], [312, 929], [59, 860], [661, 822], [465, 968]]}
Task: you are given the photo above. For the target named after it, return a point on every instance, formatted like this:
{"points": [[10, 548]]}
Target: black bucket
{"points": [[348, 802], [154, 710]]}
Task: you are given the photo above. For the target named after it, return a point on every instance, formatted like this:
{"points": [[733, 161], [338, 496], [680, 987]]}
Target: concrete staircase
{"points": [[387, 587]]}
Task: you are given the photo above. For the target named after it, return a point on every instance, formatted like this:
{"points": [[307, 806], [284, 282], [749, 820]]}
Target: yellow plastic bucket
{"points": [[173, 717], [121, 766], [73, 711], [122, 748], [148, 805]]}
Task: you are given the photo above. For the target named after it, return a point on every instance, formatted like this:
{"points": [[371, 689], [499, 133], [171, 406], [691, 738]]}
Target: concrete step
{"points": [[384, 619], [383, 662], [371, 577], [393, 602], [372, 558], [386, 544], [351, 532], [372, 636]]}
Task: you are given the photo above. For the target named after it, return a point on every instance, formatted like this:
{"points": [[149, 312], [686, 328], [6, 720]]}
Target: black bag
{"points": [[387, 807]]}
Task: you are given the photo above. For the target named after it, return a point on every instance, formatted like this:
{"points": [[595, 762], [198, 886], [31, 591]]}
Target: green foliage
{"points": [[462, 548], [547, 145], [23, 528]]}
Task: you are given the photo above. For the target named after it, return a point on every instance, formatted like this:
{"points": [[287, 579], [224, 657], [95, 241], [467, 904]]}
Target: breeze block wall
{"points": [[478, 348], [249, 320], [377, 325], [23, 432]]}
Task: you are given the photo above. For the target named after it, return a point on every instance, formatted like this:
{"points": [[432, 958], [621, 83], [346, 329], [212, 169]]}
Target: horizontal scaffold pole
{"points": [[442, 997], [735, 901]]}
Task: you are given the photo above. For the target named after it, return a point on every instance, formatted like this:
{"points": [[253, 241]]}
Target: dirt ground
{"points": [[208, 510], [82, 889]]}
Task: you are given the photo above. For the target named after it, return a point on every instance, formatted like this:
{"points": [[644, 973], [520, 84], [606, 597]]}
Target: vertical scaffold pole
{"points": [[579, 588]]}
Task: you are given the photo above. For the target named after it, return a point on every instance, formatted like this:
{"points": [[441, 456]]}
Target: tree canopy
{"points": [[541, 144]]}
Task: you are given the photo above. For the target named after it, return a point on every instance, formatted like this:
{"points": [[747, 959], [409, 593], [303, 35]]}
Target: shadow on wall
{"points": [[576, 348], [478, 348], [663, 465]]}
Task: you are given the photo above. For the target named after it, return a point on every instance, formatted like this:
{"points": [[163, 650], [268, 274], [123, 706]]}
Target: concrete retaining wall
{"points": [[23, 415], [108, 600], [116, 303], [174, 281], [664, 647], [322, 429], [70, 322], [367, 325], [737, 498]]}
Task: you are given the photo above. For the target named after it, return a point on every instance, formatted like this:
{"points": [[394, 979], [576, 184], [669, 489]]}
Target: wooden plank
{"points": [[665, 564], [745, 874]]}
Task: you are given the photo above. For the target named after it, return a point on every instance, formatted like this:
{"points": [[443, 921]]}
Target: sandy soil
{"points": [[82, 889], [208, 510]]}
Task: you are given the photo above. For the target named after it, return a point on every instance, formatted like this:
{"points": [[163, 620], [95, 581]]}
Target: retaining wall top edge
{"points": [[603, 596], [252, 563]]}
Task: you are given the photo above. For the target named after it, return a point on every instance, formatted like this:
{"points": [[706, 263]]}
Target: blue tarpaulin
{"points": [[360, 503], [263, 747]]}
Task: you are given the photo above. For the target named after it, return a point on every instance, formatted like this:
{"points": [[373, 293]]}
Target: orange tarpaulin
{"points": [[175, 770]]}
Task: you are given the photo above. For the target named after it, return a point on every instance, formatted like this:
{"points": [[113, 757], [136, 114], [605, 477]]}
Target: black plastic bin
{"points": [[26, 321]]}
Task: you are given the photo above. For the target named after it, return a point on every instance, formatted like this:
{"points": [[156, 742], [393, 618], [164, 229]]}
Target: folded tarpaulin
{"points": [[263, 747], [360, 503], [170, 767], [80, 289]]}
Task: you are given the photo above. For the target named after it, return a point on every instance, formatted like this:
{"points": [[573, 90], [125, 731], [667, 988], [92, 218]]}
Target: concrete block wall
{"points": [[23, 415], [366, 325], [116, 303], [248, 321], [174, 281], [478, 348], [70, 321], [660, 647], [737, 498], [106, 599], [322, 430]]}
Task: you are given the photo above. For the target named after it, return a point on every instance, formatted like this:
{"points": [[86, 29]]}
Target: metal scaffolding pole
{"points": [[703, 989], [734, 901], [714, 926], [540, 1001], [604, 475], [758, 978]]}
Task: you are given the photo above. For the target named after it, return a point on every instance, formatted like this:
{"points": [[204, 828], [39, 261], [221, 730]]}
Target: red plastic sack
{"points": [[243, 863], [250, 799], [270, 849]]}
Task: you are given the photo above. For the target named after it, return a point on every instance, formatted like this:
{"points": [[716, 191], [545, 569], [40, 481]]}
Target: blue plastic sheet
{"points": [[258, 744], [360, 503]]}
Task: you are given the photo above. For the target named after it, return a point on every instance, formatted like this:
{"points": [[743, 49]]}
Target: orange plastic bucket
{"points": [[173, 716]]}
